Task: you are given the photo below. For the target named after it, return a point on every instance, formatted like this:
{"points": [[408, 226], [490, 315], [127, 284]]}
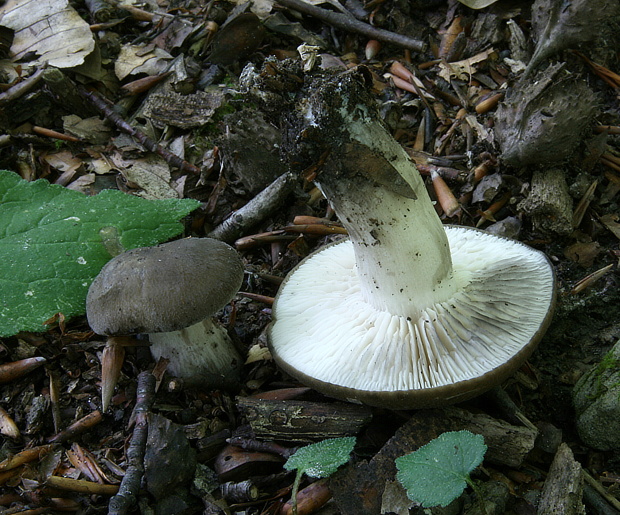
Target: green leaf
{"points": [[323, 458], [54, 241], [438, 472]]}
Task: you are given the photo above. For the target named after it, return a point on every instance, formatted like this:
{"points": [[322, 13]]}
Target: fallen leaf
{"points": [[583, 253], [465, 68], [52, 30], [611, 222], [134, 60], [150, 173]]}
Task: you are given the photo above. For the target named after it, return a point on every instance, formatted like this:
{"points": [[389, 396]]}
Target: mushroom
{"points": [[171, 292], [406, 313]]}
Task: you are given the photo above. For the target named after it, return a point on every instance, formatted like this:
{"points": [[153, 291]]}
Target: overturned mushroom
{"points": [[171, 291], [406, 313]]}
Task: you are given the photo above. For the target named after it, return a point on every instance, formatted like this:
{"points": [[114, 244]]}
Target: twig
{"points": [[100, 10], [255, 296], [316, 229], [26, 456], [80, 485], [43, 131], [77, 427], [610, 161], [55, 398], [106, 109], [125, 499], [348, 23], [255, 210], [16, 369], [583, 204], [253, 240], [600, 489], [590, 279], [249, 444], [21, 88], [611, 129]]}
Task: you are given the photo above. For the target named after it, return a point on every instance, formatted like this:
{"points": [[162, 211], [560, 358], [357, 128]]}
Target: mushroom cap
{"points": [[163, 288], [328, 337]]}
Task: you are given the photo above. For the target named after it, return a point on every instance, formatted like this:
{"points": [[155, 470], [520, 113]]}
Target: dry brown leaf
{"points": [[449, 37], [84, 460], [136, 59], [611, 222], [52, 30], [583, 253], [150, 173], [463, 69]]}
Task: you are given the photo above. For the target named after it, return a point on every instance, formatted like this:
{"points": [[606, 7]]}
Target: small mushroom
{"points": [[171, 292], [406, 313]]}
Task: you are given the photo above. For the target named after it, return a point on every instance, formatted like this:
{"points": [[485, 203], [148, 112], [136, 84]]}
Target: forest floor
{"points": [[526, 148]]}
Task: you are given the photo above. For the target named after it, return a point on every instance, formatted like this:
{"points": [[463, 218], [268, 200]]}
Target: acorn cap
{"points": [[163, 288]]}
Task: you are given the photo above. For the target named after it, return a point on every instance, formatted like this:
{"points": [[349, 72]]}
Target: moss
{"points": [[609, 362]]}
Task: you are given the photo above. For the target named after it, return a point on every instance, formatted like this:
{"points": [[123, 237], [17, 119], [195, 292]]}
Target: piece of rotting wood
{"points": [[302, 420], [507, 444], [563, 487], [549, 203], [66, 91]]}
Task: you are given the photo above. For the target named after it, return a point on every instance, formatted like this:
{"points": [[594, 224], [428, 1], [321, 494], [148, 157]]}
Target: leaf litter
{"points": [[455, 129]]}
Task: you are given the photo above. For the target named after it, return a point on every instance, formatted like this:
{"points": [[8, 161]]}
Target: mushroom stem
{"points": [[201, 353], [401, 248], [407, 313]]}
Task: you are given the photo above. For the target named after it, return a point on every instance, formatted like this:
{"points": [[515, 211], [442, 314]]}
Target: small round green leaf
{"points": [[438, 472], [323, 458]]}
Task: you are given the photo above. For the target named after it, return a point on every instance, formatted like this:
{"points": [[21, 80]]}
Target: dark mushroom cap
{"points": [[327, 336], [163, 288]]}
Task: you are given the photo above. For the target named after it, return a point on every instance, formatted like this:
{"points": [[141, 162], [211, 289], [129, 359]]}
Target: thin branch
{"points": [[106, 108], [257, 209], [122, 502], [350, 24], [21, 88], [77, 427]]}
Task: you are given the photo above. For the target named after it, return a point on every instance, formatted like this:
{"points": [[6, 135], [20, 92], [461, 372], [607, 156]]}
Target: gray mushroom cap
{"points": [[163, 288]]}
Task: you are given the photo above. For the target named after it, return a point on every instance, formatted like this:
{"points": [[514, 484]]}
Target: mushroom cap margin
{"points": [[499, 269]]}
